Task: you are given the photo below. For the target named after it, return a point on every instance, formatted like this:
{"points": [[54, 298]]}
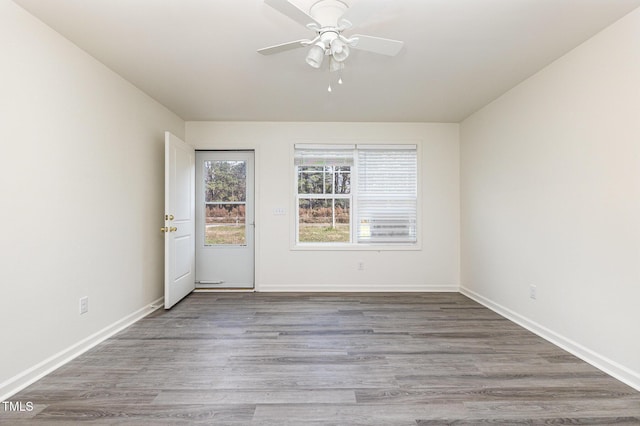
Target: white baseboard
{"points": [[350, 288], [17, 383], [614, 369], [602, 363]]}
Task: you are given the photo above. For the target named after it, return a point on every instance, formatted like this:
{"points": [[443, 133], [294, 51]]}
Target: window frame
{"points": [[353, 244]]}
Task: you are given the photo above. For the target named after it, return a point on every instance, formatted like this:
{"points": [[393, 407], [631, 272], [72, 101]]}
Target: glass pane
{"points": [[324, 221], [310, 183], [225, 224], [225, 180], [328, 180], [324, 180], [343, 181]]}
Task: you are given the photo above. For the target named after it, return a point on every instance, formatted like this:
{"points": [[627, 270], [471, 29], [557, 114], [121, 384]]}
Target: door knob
{"points": [[164, 229], [173, 229]]}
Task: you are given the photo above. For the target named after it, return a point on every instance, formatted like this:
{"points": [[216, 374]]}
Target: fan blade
{"points": [[283, 47], [292, 11], [383, 46], [361, 11]]}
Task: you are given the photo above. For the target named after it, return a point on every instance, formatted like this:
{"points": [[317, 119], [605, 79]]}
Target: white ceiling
{"points": [[198, 57]]}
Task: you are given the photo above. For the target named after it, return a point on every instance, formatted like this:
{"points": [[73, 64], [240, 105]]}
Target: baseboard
{"points": [[350, 288], [602, 363], [614, 369], [17, 383]]}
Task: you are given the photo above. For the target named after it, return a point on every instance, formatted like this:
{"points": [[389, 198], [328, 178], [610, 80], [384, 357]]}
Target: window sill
{"points": [[355, 247]]}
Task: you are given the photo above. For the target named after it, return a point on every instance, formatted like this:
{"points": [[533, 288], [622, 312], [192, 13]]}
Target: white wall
{"points": [[81, 193], [550, 190], [434, 267]]}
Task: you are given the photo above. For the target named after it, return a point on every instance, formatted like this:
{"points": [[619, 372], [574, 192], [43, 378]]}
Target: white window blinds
{"points": [[323, 155], [387, 194]]}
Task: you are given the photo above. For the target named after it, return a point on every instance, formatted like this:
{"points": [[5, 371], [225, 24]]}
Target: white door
{"points": [[179, 225], [224, 219]]}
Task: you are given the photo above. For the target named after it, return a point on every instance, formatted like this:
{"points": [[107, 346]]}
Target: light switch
{"points": [[279, 211]]}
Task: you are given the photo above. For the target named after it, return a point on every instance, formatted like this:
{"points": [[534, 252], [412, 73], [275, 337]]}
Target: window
{"points": [[360, 195], [324, 195]]}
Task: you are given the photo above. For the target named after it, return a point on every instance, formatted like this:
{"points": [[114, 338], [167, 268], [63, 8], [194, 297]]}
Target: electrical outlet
{"points": [[361, 266], [533, 292], [84, 305]]}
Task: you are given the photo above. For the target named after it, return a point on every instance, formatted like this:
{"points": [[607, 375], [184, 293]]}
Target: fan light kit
{"points": [[328, 19]]}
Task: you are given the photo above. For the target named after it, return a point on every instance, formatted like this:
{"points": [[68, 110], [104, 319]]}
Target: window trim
{"points": [[353, 245]]}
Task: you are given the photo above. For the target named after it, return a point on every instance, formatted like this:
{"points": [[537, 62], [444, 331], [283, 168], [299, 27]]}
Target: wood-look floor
{"points": [[327, 359]]}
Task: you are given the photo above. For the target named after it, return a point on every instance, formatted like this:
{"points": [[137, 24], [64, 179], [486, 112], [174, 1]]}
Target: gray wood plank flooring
{"points": [[327, 359]]}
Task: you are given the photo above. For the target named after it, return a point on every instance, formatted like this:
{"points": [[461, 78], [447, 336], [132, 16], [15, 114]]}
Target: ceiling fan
{"points": [[328, 19]]}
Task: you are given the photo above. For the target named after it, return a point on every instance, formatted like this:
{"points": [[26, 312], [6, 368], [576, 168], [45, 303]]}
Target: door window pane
{"points": [[225, 181], [225, 224], [225, 196]]}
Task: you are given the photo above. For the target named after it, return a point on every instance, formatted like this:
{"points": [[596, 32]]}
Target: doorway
{"points": [[225, 227]]}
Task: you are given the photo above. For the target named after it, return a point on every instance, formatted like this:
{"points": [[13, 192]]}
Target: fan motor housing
{"points": [[327, 12]]}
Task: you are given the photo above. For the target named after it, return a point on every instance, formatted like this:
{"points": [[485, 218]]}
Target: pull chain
{"points": [[340, 82]]}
